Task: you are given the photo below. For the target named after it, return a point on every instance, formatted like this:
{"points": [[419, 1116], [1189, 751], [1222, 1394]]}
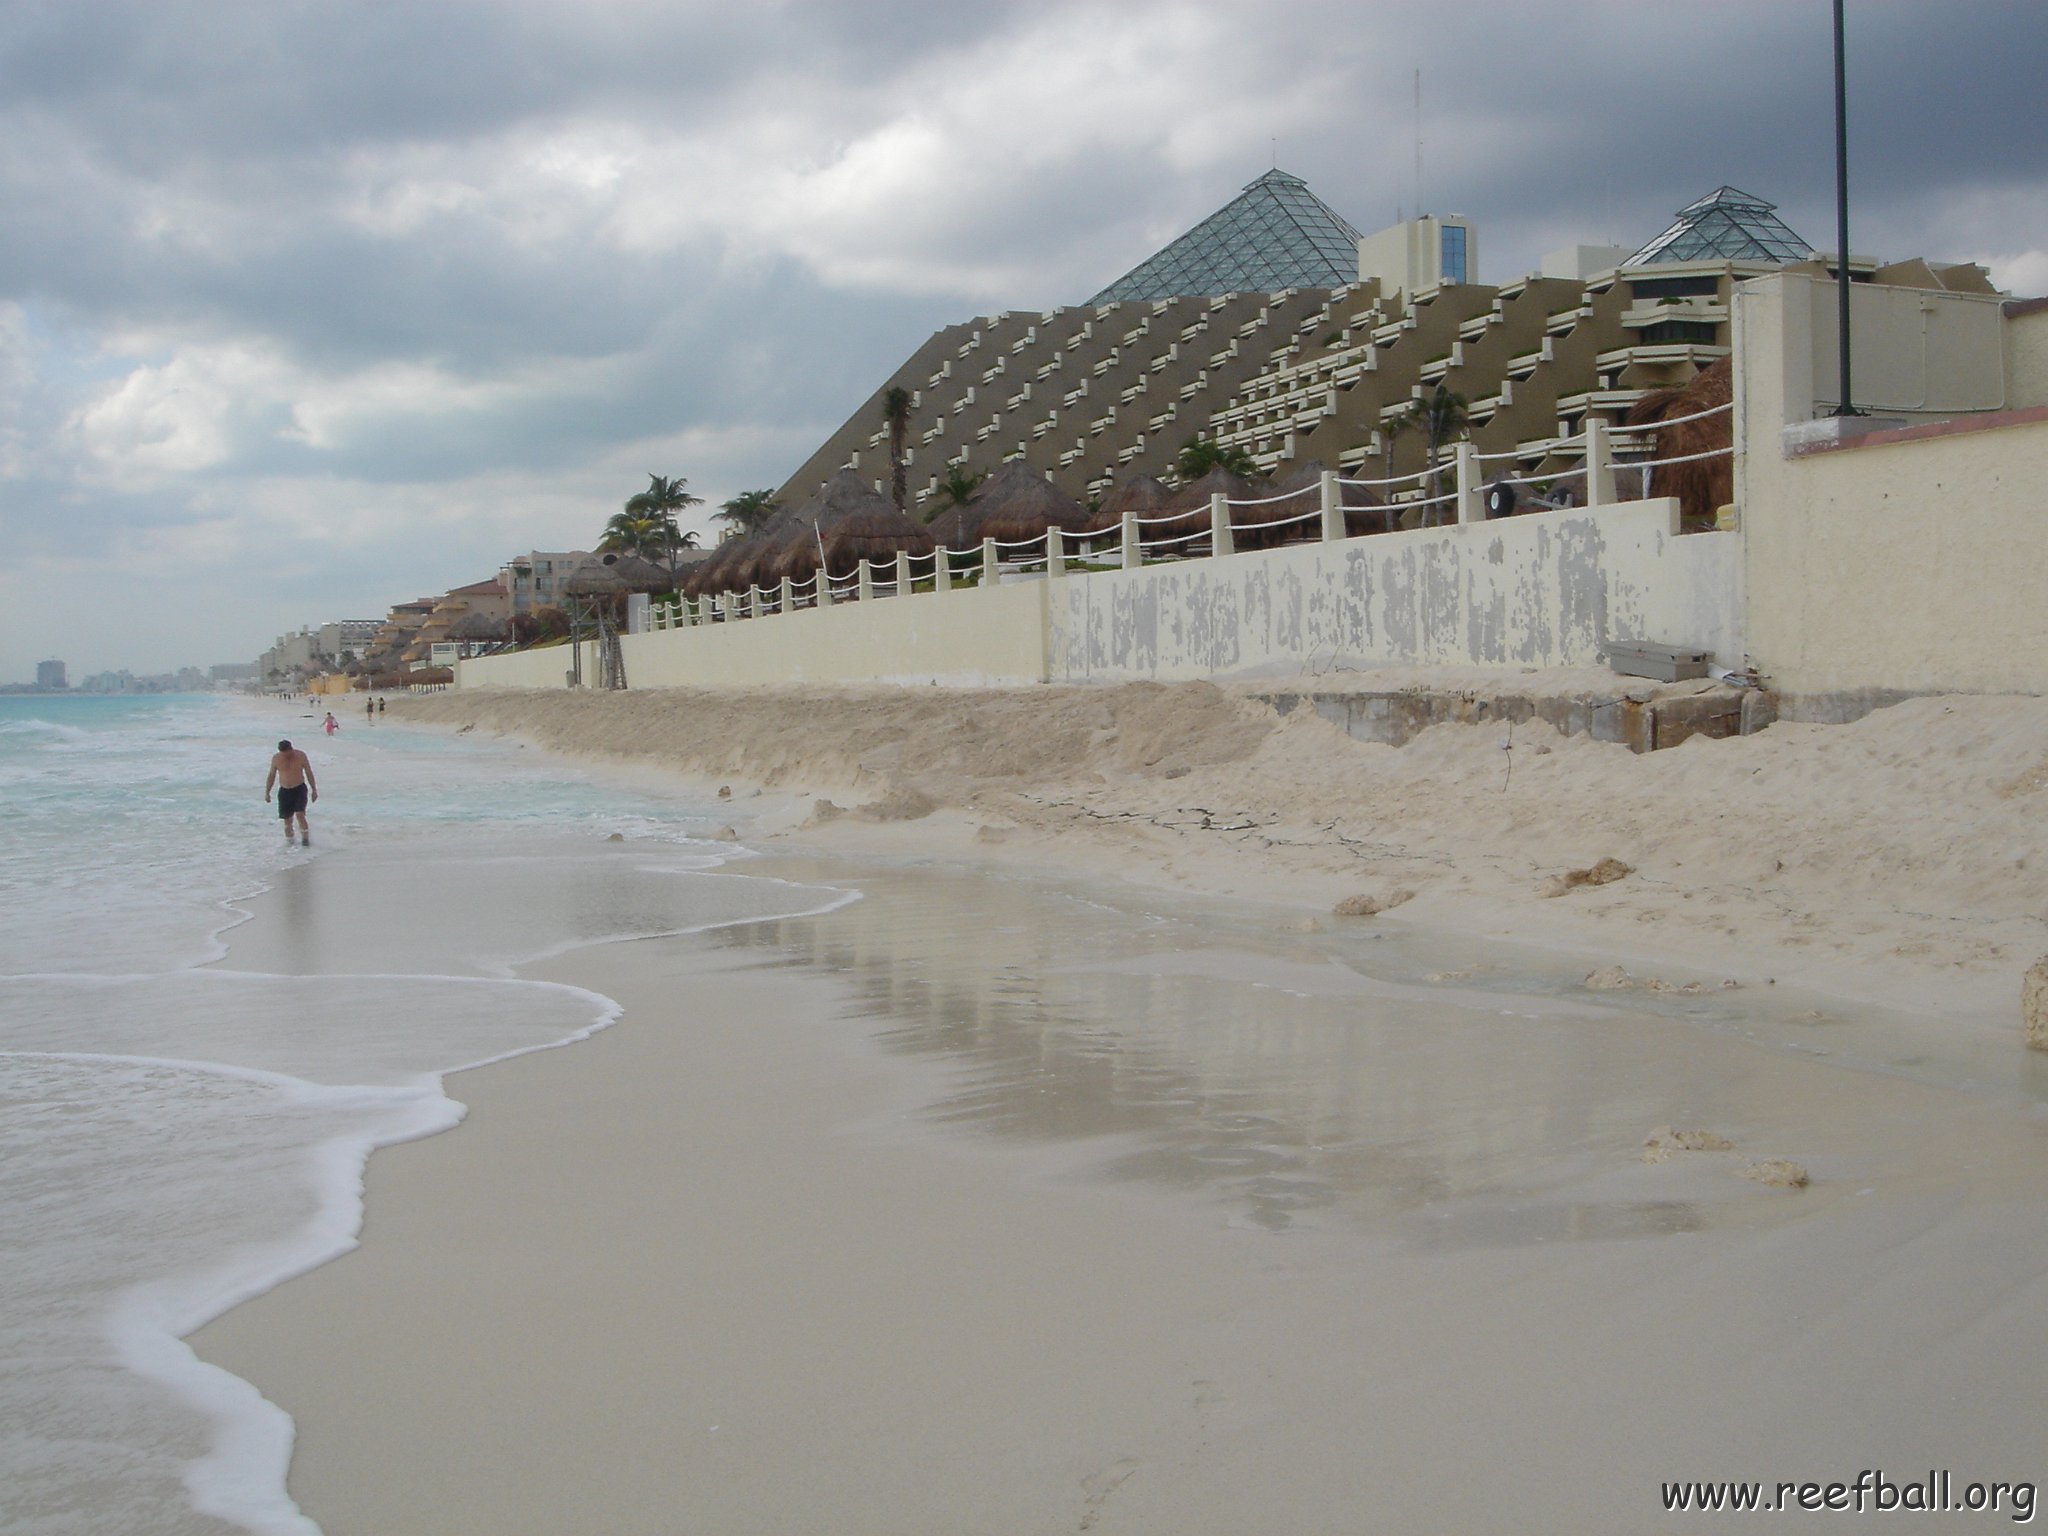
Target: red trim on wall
{"points": [[1988, 421]]}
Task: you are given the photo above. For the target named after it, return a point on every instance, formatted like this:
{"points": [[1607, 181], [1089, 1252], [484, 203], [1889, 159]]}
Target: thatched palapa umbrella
{"points": [[712, 576], [1705, 485], [480, 629], [1141, 495], [1191, 503], [957, 528], [613, 575], [1254, 527], [847, 523], [1018, 503]]}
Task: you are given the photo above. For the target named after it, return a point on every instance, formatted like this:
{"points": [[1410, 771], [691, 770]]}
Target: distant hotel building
{"points": [[1275, 327], [50, 677]]}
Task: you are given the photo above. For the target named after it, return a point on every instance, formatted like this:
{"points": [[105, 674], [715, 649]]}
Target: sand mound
{"points": [[1777, 1172], [1904, 850], [2034, 1004], [1665, 1143]]}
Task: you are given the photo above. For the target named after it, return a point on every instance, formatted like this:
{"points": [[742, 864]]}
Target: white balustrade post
{"points": [[788, 595], [903, 573], [866, 584], [1466, 467], [1599, 464], [1333, 507], [757, 603], [824, 581], [1055, 550], [942, 569], [1219, 524], [1134, 556], [988, 563]]}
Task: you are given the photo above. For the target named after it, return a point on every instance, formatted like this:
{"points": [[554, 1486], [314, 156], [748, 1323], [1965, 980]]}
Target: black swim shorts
{"points": [[291, 801]]}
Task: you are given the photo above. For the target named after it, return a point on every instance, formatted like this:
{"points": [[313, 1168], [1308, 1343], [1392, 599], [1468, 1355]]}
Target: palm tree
{"points": [[1441, 418], [1199, 455], [748, 511], [956, 490], [660, 502], [896, 412], [629, 533]]}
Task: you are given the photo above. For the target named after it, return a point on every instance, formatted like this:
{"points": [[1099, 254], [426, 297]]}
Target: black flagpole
{"points": [[1842, 211]]}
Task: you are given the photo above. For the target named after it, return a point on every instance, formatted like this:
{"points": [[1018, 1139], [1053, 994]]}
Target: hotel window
{"points": [[1454, 253]]}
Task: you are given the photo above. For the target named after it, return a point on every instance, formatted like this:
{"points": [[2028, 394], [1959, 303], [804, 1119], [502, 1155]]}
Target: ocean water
{"points": [[180, 1130]]}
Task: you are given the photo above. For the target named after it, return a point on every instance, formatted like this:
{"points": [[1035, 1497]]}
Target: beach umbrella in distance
{"points": [[1705, 485], [481, 629], [1017, 503], [1303, 488], [1191, 503], [874, 529], [1141, 495], [870, 534], [958, 527], [714, 575], [613, 573]]}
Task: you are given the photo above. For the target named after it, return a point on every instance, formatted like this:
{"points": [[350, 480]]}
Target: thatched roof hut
{"points": [[612, 574], [1253, 527], [958, 527], [1705, 485], [481, 628], [852, 522], [873, 534], [1188, 505], [1017, 503], [1141, 495], [713, 574]]}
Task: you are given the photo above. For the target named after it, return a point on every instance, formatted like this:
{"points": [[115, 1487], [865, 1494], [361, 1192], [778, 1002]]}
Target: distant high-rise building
{"points": [[50, 676]]}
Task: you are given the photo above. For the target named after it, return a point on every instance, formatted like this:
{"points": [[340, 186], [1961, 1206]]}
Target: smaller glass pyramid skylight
{"points": [[1275, 234], [1725, 225]]}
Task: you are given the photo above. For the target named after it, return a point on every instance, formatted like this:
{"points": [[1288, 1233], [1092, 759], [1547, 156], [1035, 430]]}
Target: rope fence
{"points": [[1034, 554]]}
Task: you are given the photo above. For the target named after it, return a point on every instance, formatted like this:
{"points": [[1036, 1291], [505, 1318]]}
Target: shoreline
{"points": [[848, 1223], [886, 1232]]}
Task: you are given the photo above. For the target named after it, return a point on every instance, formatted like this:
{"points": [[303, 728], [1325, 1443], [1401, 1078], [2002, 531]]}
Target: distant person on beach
{"points": [[380, 706], [370, 709], [331, 724], [291, 772]]}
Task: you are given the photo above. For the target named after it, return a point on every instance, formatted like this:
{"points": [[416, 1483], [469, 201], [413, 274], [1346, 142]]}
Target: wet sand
{"points": [[992, 1204]]}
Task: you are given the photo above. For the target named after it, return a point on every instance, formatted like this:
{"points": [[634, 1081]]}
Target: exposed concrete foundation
{"points": [[1642, 717]]}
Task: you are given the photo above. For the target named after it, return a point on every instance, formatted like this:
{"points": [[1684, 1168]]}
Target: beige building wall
{"points": [[1910, 561], [1539, 590]]}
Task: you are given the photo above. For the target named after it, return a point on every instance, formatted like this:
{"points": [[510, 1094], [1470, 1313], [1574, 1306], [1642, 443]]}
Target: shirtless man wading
{"points": [[292, 775]]}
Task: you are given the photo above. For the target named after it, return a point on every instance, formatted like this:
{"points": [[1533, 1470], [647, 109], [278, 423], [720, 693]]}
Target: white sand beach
{"points": [[1091, 1174]]}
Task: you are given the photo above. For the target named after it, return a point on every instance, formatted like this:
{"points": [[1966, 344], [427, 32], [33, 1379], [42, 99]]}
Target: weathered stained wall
{"points": [[1914, 562], [1538, 591]]}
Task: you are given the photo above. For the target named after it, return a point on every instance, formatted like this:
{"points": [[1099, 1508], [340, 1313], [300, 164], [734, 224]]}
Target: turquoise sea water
{"points": [[178, 1132]]}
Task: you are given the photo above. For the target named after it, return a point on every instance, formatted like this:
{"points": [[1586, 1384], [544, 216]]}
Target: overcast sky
{"points": [[307, 308]]}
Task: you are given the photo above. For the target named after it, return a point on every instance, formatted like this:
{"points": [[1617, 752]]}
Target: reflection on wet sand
{"points": [[1250, 1068]]}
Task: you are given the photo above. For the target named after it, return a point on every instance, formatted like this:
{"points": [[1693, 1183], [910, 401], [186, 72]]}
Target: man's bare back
{"points": [[291, 774]]}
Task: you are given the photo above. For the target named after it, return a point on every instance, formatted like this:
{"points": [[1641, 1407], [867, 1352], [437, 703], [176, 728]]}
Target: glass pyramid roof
{"points": [[1275, 234], [1725, 225]]}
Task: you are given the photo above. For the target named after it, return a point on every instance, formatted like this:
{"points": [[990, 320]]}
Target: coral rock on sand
{"points": [[1609, 978], [1606, 872], [1665, 1143], [2034, 1004], [1371, 906], [1778, 1173]]}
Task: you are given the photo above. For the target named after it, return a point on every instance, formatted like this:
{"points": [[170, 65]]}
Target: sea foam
{"points": [[181, 1132]]}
